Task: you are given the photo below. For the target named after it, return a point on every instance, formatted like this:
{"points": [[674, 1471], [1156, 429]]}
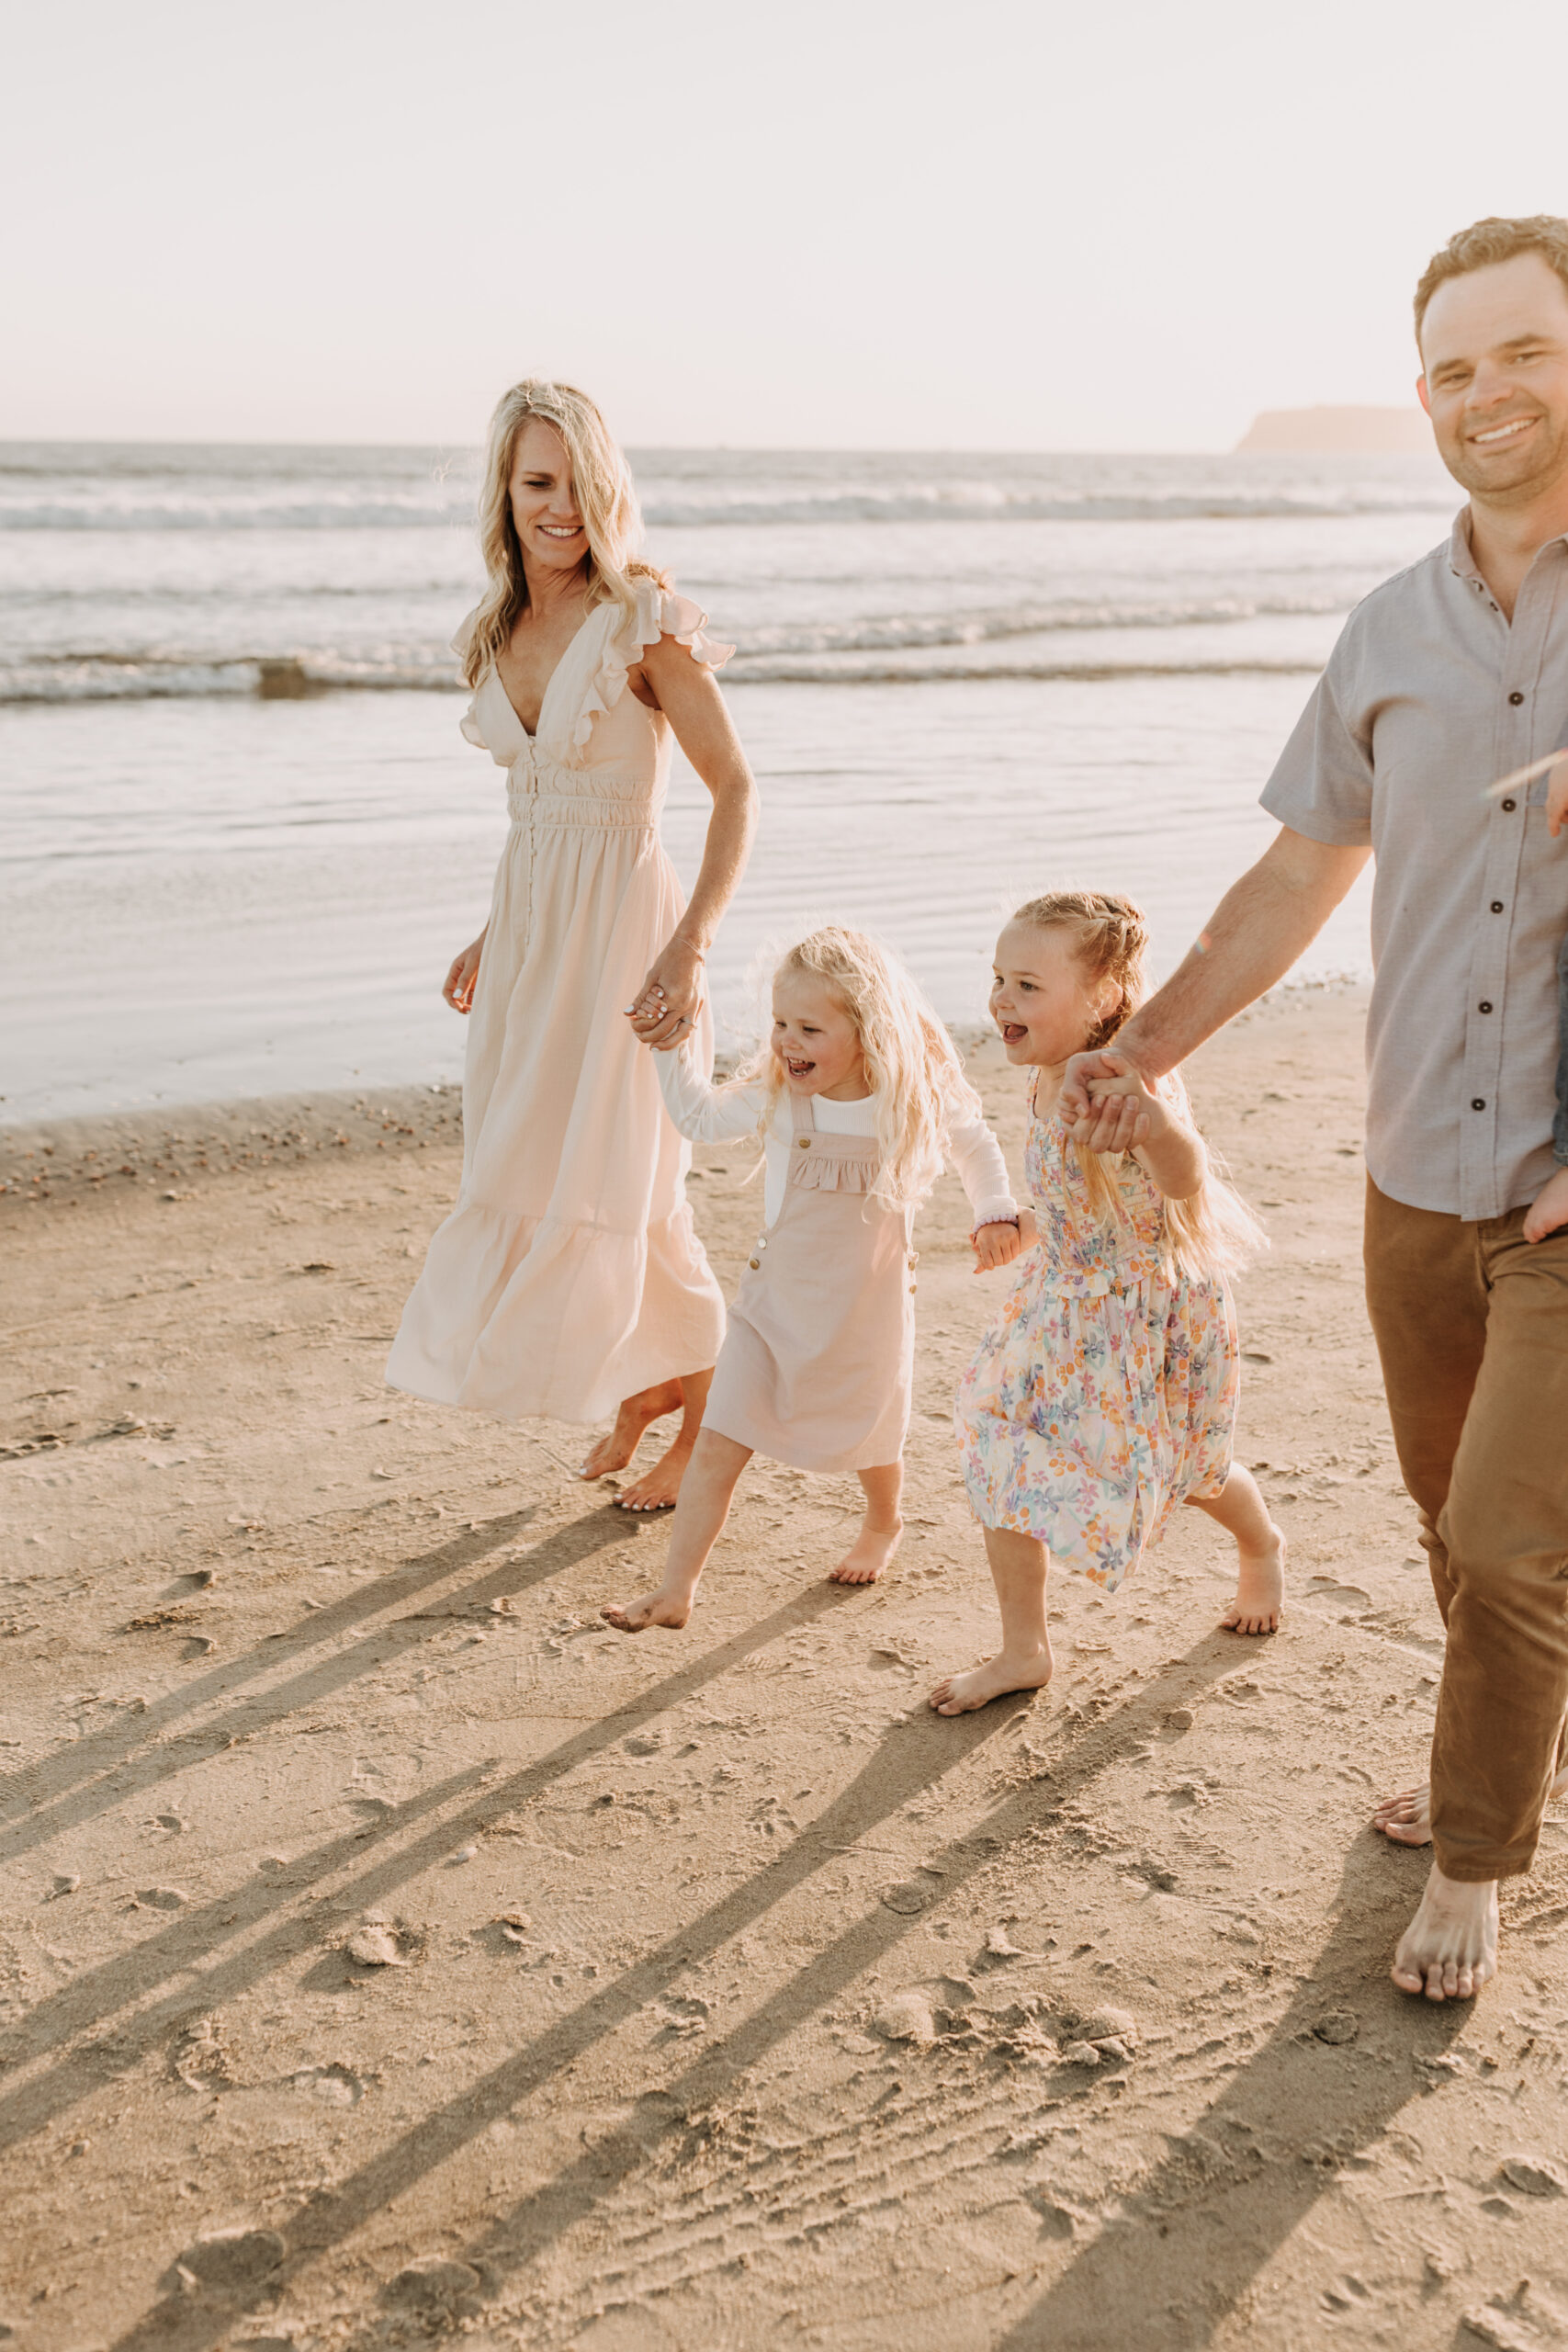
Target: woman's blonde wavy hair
{"points": [[1214, 1231], [606, 499], [911, 1063]]}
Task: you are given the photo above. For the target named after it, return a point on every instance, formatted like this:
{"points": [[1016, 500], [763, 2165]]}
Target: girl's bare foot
{"points": [[1260, 1590], [1450, 1950], [1407, 1818], [961, 1694], [613, 1453], [659, 1488], [868, 1556], [660, 1608]]}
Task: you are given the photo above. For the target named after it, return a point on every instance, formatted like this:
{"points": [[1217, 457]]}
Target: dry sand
{"points": [[391, 1950]]}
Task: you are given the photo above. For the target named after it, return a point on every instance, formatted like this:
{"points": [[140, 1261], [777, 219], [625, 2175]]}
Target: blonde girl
{"points": [[1105, 1392], [857, 1098]]}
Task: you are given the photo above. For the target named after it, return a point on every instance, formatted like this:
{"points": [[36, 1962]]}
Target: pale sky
{"points": [[991, 224]]}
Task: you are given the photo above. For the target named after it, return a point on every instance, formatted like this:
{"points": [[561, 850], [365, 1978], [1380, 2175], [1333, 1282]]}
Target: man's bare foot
{"points": [[1407, 1818], [613, 1453], [961, 1694], [1259, 1591], [1548, 1213], [868, 1556], [660, 1608], [1450, 1950]]}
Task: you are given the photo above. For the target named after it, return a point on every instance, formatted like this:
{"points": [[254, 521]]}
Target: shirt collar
{"points": [[1461, 559]]}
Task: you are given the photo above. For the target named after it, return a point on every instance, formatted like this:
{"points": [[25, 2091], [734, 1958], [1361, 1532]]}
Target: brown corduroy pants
{"points": [[1471, 1325]]}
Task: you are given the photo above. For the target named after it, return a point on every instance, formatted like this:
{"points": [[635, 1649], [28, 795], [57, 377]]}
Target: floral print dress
{"points": [[1105, 1392]]}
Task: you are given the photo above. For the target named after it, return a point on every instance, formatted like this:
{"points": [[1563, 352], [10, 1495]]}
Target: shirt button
{"points": [[1478, 1101], [1485, 1004], [1510, 804], [1516, 697], [753, 1263], [1496, 906]]}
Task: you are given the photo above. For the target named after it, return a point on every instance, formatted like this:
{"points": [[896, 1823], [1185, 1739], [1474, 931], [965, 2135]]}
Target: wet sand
{"points": [[390, 1949]]}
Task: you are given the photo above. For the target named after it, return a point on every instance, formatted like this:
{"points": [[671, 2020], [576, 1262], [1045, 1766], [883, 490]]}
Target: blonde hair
{"points": [[911, 1063], [1214, 1231], [606, 500]]}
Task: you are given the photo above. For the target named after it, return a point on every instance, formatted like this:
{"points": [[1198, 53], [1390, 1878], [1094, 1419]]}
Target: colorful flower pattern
{"points": [[1105, 1392]]}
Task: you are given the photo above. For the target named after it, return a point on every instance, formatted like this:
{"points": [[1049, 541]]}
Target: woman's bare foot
{"points": [[1407, 1818], [1260, 1590], [868, 1556], [1450, 1950], [961, 1694], [660, 1608], [659, 1488], [613, 1453]]}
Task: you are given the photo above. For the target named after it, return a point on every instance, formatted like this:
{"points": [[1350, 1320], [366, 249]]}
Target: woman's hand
{"points": [[457, 988], [667, 1003]]}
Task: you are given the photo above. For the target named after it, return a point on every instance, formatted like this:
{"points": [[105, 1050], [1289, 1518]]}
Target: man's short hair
{"points": [[1485, 241]]}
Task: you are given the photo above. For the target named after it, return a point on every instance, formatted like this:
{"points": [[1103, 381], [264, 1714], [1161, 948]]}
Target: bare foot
{"points": [[613, 1453], [1259, 1591], [1407, 1818], [960, 1695], [1450, 1950], [1548, 1213], [660, 1608], [868, 1556], [659, 1488]]}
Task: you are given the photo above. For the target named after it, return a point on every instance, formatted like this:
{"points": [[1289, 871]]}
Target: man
{"points": [[1452, 674]]}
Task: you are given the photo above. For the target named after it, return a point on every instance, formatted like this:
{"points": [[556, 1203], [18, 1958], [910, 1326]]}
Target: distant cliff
{"points": [[1356, 431]]}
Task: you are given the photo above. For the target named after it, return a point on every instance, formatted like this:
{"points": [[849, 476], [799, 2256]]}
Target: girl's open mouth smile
{"points": [[1012, 1031]]}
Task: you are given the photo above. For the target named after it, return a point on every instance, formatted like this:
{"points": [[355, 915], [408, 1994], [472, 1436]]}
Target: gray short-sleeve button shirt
{"points": [[1430, 696]]}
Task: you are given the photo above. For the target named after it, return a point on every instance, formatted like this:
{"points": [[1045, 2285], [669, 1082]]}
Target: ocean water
{"points": [[243, 838]]}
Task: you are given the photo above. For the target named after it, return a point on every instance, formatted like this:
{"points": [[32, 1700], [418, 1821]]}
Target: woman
{"points": [[568, 1279]]}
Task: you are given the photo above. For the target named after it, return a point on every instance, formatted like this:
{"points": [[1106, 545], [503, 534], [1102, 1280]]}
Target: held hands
{"points": [[1106, 1106], [457, 988], [999, 1245], [667, 1005]]}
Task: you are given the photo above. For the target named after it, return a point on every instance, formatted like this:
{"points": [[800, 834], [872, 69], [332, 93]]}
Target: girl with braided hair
{"points": [[1105, 1392]]}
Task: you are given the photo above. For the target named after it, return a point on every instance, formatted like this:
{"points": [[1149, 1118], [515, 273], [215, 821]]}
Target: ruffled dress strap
{"points": [[468, 725], [618, 642]]}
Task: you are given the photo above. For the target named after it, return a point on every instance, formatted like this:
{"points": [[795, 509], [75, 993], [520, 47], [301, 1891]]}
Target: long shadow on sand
{"points": [[912, 1758], [1233, 2187], [180, 1956], [67, 1787]]}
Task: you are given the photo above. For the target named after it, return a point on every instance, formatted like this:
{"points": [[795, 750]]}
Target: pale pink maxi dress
{"points": [[569, 1274]]}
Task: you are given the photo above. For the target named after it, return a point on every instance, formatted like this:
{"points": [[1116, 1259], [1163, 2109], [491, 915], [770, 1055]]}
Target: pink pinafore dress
{"points": [[818, 1362]]}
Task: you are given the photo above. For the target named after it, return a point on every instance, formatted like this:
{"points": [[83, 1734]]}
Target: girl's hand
{"points": [[667, 1005], [457, 988], [998, 1245], [1124, 1109]]}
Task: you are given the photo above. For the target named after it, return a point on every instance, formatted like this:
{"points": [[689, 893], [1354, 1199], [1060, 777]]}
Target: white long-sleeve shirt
{"points": [[707, 1113]]}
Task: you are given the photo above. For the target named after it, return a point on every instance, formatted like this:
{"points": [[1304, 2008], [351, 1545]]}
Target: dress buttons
{"points": [[1496, 906], [804, 1142], [1485, 1005], [1516, 697], [1478, 1101]]}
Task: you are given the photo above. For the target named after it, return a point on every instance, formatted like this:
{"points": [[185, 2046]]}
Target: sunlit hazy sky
{"points": [[993, 223]]}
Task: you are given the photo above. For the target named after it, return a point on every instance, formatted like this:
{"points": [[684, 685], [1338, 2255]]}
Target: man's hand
{"points": [[1086, 1080], [1557, 798]]}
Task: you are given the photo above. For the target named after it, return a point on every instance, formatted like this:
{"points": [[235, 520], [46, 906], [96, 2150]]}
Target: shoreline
{"points": [[188, 1144]]}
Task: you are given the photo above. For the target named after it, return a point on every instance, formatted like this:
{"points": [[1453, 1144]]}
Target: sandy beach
{"points": [[390, 1949]]}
